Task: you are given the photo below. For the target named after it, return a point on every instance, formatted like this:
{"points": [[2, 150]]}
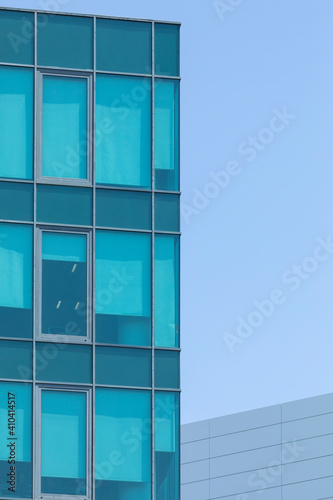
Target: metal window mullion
{"points": [[35, 451]]}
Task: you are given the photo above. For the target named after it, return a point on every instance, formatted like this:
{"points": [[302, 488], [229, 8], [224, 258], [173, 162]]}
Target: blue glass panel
{"points": [[166, 446], [64, 205], [123, 131], [63, 362], [167, 135], [167, 369], [123, 366], [123, 46], [15, 359], [65, 41], [16, 280], [16, 122], [123, 209], [15, 440], [123, 288], [64, 127], [16, 37], [166, 212], [16, 201], [63, 442], [167, 49], [123, 444], [64, 284], [166, 290]]}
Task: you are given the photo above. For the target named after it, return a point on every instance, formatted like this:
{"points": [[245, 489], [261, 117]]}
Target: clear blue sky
{"points": [[257, 115]]}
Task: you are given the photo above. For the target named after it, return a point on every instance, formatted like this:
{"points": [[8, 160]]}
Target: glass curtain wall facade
{"points": [[89, 257]]}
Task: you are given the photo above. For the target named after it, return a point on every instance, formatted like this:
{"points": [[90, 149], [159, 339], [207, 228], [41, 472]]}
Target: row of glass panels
{"points": [[65, 135], [123, 442], [67, 42]]}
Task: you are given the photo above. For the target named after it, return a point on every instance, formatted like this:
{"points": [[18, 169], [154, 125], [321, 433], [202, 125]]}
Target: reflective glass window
{"points": [[123, 131], [123, 444], [166, 290], [123, 288], [166, 49], [123, 366], [16, 37], [167, 134], [15, 440], [123, 46], [16, 201], [16, 280], [64, 284], [64, 205], [123, 209], [64, 134], [15, 359], [166, 446], [63, 363], [167, 369], [65, 41], [16, 122], [166, 212], [63, 442]]}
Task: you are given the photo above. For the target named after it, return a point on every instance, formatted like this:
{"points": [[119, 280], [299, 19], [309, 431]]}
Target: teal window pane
{"points": [[16, 280], [167, 369], [166, 49], [16, 37], [16, 427], [64, 205], [123, 131], [63, 363], [166, 290], [123, 288], [16, 122], [166, 212], [65, 41], [166, 446], [63, 442], [123, 209], [65, 127], [15, 359], [123, 46], [64, 284], [123, 444], [123, 366], [167, 135], [16, 201]]}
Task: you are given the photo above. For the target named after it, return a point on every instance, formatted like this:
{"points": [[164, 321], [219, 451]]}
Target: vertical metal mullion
{"points": [[153, 261]]}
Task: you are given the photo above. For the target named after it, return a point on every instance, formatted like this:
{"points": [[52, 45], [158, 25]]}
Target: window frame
{"points": [[39, 133], [37, 475], [75, 339]]}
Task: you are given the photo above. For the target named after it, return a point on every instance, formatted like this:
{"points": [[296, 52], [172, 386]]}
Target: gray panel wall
{"points": [[282, 452]]}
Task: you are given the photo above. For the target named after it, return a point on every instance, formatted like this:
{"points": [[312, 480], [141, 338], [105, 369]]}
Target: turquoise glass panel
{"points": [[123, 209], [123, 288], [65, 127], [167, 369], [166, 446], [15, 359], [15, 431], [167, 212], [63, 442], [167, 49], [123, 46], [123, 444], [65, 41], [166, 290], [16, 201], [63, 362], [167, 135], [16, 122], [64, 205], [123, 366], [64, 284], [16, 280], [123, 131], [16, 37]]}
